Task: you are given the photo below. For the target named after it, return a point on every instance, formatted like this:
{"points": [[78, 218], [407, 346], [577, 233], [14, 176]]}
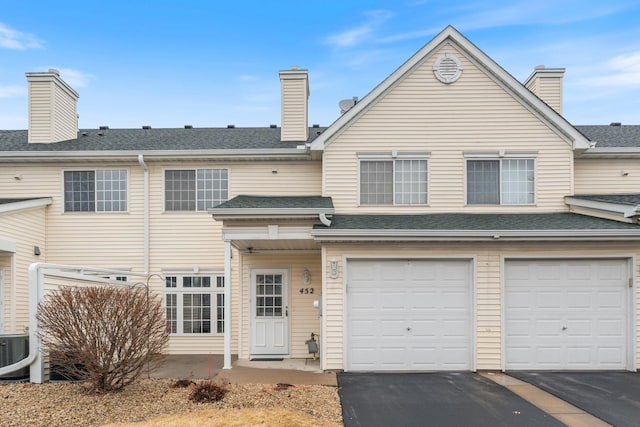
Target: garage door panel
{"points": [[420, 315], [576, 309]]}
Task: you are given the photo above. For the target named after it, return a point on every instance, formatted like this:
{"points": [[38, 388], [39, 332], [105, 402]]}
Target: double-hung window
{"points": [[102, 190], [195, 189], [503, 181], [194, 304], [393, 180]]}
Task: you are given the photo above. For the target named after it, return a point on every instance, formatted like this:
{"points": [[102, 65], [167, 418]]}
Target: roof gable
{"points": [[450, 35]]}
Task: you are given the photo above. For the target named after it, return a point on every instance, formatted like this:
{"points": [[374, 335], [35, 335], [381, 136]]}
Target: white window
{"points": [[503, 181], [195, 189], [194, 304], [393, 182], [102, 190]]}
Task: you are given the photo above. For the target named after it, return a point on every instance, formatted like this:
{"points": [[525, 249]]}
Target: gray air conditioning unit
{"points": [[14, 348]]}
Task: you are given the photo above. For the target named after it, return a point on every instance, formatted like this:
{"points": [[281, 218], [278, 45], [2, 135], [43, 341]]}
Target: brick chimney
{"points": [[294, 84], [53, 115], [546, 84]]}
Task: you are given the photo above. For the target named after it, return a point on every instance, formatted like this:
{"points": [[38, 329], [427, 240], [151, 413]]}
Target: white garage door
{"points": [[409, 315], [566, 314]]}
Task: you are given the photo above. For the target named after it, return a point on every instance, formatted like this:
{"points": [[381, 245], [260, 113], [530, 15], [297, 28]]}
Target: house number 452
{"points": [[306, 290]]}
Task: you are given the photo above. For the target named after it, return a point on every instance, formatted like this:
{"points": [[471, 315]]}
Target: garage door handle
{"points": [[564, 328], [408, 329]]}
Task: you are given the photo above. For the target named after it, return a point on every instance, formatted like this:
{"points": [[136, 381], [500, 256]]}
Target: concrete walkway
{"points": [[288, 371], [557, 408]]}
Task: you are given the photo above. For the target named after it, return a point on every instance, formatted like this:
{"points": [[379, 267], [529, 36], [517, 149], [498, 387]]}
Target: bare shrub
{"points": [[104, 335], [209, 391]]}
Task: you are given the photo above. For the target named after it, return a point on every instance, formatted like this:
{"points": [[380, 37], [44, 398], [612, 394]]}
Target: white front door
{"points": [[566, 314], [269, 312]]}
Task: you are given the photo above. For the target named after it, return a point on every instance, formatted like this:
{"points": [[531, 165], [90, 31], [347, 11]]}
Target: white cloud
{"points": [[16, 40], [620, 71], [362, 32], [11, 91], [75, 78]]}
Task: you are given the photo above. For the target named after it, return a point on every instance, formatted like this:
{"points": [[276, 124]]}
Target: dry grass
{"points": [[69, 405], [236, 418]]}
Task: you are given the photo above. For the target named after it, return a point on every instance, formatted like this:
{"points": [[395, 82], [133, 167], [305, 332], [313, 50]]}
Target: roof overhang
{"points": [[25, 204], [300, 153], [534, 104], [270, 237], [625, 210], [611, 152], [341, 235], [224, 214]]}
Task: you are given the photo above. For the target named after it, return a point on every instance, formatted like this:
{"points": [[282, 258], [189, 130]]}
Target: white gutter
{"points": [[324, 220], [626, 210], [467, 235], [146, 213], [25, 204], [157, 154]]}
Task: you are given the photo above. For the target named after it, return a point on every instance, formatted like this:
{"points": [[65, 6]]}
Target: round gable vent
{"points": [[447, 68]]}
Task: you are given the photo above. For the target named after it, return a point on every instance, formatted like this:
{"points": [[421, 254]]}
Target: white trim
{"points": [[146, 220], [131, 156], [230, 213], [227, 305], [25, 204], [262, 233], [95, 190], [1, 300], [501, 155], [611, 152], [472, 235], [472, 259], [195, 170], [626, 211], [630, 258], [286, 299], [8, 246], [531, 102]]}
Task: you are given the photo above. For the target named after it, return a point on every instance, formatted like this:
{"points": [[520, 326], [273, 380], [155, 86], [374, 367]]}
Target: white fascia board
{"points": [[132, 155], [464, 235], [7, 246], [627, 211], [25, 204], [262, 233], [230, 213], [473, 53], [597, 152]]}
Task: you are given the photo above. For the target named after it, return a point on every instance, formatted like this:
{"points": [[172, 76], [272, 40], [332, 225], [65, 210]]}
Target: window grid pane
{"points": [[376, 182], [111, 190], [483, 182], [79, 191], [171, 307], [196, 313], [269, 298], [212, 187], [517, 181], [411, 182], [220, 313], [180, 190]]}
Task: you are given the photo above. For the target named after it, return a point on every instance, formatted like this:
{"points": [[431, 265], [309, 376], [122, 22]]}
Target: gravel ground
{"points": [[68, 404]]}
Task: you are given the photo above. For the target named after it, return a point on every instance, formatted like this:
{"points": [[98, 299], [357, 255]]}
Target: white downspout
{"points": [[227, 305], [323, 219], [146, 213]]}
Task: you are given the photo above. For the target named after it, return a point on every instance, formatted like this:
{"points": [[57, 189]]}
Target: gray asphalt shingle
{"points": [[277, 202], [476, 222], [624, 136]]}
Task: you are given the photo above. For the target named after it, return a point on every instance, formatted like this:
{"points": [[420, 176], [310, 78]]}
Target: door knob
{"points": [[564, 328], [408, 328]]}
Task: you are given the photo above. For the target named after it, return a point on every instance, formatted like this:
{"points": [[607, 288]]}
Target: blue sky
{"points": [[213, 63]]}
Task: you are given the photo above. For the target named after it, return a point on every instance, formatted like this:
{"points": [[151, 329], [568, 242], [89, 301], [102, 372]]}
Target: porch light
{"points": [[306, 276]]}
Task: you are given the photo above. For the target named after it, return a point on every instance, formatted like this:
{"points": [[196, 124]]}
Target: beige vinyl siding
{"points": [[294, 110], [52, 113], [604, 176], [26, 228], [487, 286], [472, 114], [550, 91], [303, 317], [6, 283]]}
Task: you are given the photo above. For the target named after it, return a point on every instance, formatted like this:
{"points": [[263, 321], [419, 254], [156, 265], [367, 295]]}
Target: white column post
{"points": [[227, 305]]}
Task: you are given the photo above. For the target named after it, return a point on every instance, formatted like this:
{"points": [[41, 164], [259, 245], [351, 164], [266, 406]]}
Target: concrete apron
{"points": [[557, 408]]}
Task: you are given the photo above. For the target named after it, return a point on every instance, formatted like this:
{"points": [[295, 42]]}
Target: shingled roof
{"points": [[157, 140], [476, 222], [622, 136]]}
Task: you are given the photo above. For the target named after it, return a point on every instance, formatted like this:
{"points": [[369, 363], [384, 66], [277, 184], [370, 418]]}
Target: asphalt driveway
{"points": [[611, 396], [433, 399]]}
